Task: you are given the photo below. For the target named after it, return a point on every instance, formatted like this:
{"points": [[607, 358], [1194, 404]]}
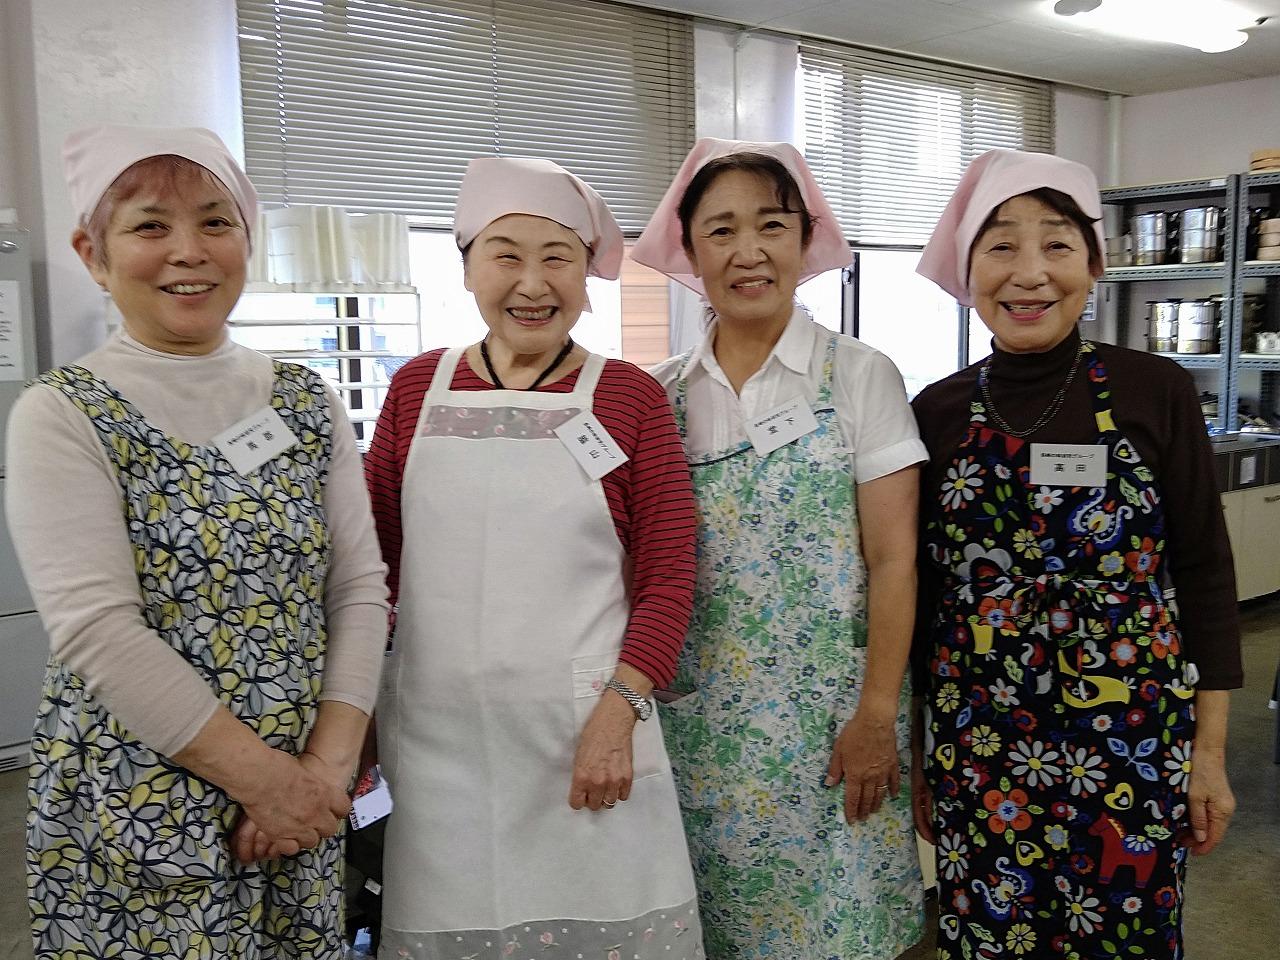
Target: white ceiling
{"points": [[1016, 36]]}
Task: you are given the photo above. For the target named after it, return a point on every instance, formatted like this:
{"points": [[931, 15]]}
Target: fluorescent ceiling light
{"points": [[1212, 26]]}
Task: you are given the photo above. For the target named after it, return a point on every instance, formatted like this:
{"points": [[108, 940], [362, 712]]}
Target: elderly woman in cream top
{"points": [[194, 527]]}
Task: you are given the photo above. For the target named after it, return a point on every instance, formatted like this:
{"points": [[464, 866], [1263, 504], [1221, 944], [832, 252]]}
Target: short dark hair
{"points": [[1059, 203], [761, 165]]}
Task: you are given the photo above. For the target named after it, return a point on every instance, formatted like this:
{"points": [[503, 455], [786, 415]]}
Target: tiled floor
{"points": [[1233, 910]]}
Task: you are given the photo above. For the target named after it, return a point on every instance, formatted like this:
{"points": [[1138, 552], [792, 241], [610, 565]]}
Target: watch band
{"points": [[642, 707]]}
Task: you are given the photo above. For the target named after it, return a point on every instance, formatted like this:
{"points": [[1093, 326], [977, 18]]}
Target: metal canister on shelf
{"points": [[1257, 216], [1198, 322], [1253, 315], [1150, 233], [1200, 235], [1162, 325]]}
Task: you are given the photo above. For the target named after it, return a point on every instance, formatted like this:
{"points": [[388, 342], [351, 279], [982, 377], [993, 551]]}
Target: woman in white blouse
{"points": [[804, 458], [193, 523]]}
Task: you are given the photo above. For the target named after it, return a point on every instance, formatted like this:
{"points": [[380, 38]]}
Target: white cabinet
{"points": [[23, 652], [1253, 521]]}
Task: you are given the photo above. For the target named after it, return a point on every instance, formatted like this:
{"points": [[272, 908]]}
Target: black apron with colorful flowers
{"points": [[1059, 719]]}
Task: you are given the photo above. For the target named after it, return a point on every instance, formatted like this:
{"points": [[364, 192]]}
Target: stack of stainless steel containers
{"points": [[1194, 325], [1193, 235]]}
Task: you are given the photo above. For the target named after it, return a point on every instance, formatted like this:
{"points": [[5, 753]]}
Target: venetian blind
{"points": [[379, 104], [888, 136]]}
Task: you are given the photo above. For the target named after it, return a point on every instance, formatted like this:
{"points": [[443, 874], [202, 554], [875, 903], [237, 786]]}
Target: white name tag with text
{"points": [[1068, 465], [591, 445], [781, 425], [255, 440]]}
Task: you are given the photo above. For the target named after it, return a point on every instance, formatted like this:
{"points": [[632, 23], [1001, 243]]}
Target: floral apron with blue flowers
{"points": [[775, 657], [127, 852], [1059, 716]]}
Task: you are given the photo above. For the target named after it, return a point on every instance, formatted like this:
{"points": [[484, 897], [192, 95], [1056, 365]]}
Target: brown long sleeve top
{"points": [[1155, 405]]}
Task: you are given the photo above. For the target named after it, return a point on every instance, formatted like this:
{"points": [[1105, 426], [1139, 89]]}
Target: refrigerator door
{"points": [[23, 651], [14, 596], [17, 322]]}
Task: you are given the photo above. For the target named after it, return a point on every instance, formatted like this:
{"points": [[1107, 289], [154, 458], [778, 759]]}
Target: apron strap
{"points": [[442, 380], [584, 390]]}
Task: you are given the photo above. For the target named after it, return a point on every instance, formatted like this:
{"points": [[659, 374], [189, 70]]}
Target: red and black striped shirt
{"points": [[650, 496]]}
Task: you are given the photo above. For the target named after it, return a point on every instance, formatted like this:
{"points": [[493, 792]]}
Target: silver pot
{"points": [[1199, 235], [1197, 326], [1150, 237], [1162, 325]]}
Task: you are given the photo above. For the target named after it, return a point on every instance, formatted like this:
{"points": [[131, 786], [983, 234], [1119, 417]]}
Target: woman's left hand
{"points": [[602, 764], [250, 844], [866, 758], [1210, 802]]}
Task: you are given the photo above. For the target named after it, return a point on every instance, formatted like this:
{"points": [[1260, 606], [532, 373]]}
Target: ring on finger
{"points": [[610, 803]]}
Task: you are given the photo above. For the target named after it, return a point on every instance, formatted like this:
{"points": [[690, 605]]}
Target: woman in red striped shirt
{"points": [[536, 514]]}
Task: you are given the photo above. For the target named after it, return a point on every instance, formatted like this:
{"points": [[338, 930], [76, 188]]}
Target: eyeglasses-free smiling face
{"points": [[175, 264], [529, 277], [1029, 275], [747, 249]]}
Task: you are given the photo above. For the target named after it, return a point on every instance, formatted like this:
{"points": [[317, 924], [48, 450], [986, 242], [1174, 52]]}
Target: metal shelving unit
{"points": [[1251, 187], [1223, 192], [354, 352]]}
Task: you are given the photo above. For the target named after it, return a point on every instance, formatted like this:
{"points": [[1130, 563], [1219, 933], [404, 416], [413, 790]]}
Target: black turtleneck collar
{"points": [[1035, 366]]}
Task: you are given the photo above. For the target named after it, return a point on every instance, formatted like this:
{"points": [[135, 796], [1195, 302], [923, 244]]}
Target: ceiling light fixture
{"points": [[1211, 26]]}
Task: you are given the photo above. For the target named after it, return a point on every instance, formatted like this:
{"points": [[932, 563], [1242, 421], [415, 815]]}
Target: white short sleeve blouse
{"points": [[867, 390]]}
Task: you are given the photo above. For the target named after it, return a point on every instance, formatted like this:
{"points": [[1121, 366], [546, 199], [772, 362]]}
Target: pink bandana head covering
{"points": [[993, 178], [497, 186], [660, 245], [92, 158]]}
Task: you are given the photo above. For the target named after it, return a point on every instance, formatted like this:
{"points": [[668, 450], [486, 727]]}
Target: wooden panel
{"points": [[645, 314]]}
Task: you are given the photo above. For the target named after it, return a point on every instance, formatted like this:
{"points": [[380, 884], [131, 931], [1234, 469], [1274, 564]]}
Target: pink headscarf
{"points": [[497, 186], [660, 247], [993, 178], [92, 158]]}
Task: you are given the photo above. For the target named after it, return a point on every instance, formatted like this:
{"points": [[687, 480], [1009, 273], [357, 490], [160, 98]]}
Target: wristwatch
{"points": [[641, 705]]}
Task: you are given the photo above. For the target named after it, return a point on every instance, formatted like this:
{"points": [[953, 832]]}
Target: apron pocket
{"points": [[159, 826], [590, 674]]}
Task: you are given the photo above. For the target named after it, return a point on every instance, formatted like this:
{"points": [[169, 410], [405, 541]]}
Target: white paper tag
{"points": [[1068, 465], [255, 440], [372, 801], [1249, 468], [591, 445], [781, 425]]}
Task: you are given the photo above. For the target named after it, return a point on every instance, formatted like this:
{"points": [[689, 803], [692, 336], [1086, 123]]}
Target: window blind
{"points": [[888, 137], [379, 104]]}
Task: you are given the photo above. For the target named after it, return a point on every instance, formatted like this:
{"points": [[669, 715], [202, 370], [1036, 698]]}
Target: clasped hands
{"points": [[296, 803]]}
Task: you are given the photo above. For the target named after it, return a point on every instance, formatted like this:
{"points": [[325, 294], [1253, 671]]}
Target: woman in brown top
{"points": [[1070, 487]]}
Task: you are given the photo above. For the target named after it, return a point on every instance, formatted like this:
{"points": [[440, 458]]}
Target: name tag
{"points": [[255, 440], [781, 425], [1068, 464], [591, 445]]}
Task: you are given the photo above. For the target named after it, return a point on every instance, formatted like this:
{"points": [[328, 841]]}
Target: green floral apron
{"points": [[775, 657], [127, 852]]}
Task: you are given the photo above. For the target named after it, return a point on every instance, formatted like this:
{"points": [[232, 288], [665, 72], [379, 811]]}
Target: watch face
{"points": [[644, 709]]}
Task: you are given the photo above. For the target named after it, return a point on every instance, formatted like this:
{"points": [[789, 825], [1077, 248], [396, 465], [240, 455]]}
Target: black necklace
{"points": [[493, 374]]}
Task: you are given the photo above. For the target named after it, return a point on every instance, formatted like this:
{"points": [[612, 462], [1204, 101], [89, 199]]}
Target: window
{"points": [[380, 104], [888, 137]]}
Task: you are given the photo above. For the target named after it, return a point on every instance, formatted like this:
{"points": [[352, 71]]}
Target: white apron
{"points": [[513, 606]]}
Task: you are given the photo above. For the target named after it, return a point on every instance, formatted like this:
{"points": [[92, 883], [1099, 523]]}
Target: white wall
{"points": [[162, 62], [1080, 128], [1201, 132]]}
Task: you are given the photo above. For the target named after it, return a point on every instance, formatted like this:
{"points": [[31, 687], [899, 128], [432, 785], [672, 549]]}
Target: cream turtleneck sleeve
{"points": [[63, 504]]}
